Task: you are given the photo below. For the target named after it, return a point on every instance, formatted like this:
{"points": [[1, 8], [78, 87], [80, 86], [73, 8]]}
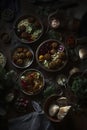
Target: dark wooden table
{"points": [[77, 120]]}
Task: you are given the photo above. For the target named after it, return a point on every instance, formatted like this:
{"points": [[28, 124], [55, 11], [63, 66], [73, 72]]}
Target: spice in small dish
{"points": [[55, 23], [70, 41]]}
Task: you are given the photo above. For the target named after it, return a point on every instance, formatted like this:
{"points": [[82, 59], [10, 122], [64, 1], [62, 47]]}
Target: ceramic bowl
{"points": [[31, 81], [51, 55], [22, 56], [28, 28]]}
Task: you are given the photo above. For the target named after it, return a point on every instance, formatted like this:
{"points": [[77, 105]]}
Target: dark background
{"points": [[21, 7]]}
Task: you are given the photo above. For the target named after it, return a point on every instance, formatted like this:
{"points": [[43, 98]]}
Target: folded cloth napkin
{"points": [[32, 121]]}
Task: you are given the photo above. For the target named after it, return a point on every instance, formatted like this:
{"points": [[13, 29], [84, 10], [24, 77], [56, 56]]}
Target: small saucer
{"points": [[5, 37], [7, 15]]}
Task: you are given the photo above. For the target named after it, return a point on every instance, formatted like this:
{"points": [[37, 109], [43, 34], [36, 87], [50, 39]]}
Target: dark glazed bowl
{"points": [[51, 55], [22, 56], [31, 81], [29, 30], [53, 99]]}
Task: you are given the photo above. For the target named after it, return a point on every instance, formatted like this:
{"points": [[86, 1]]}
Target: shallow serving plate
{"points": [[28, 28], [51, 55]]}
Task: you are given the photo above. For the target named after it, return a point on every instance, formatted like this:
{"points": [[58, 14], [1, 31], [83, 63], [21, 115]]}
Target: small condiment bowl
{"points": [[57, 19], [5, 37]]}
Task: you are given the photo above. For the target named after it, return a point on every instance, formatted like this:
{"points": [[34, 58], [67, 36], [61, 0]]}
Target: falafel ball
{"points": [[19, 62], [22, 28], [52, 65], [28, 54], [22, 55], [54, 45], [47, 56], [24, 35], [20, 49]]}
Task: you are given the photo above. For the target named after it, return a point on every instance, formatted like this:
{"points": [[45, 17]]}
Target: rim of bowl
{"points": [[53, 96]]}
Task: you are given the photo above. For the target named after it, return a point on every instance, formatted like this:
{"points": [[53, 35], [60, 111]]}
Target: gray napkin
{"points": [[32, 121]]}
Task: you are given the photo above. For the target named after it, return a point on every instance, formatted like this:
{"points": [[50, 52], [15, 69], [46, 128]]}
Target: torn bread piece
{"points": [[63, 112], [53, 110]]}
